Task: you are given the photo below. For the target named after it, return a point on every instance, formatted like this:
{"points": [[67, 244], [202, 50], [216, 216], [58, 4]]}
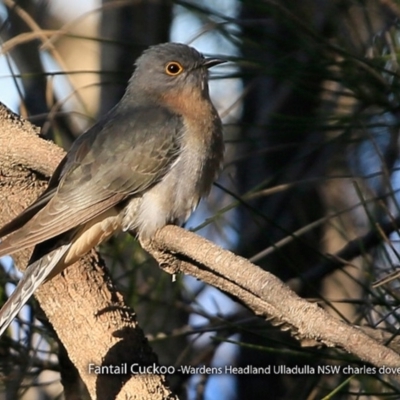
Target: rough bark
{"points": [[87, 312], [180, 251], [90, 316]]}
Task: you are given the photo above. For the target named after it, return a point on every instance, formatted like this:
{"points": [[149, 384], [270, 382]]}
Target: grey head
{"points": [[170, 69]]}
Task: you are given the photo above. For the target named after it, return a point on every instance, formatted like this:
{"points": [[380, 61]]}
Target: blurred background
{"points": [[310, 190]]}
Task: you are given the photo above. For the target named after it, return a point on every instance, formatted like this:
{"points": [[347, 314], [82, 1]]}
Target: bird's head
{"points": [[171, 69]]}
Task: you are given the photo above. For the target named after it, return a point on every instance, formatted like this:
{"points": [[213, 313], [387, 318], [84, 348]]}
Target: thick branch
{"points": [[181, 251], [85, 309], [101, 328]]}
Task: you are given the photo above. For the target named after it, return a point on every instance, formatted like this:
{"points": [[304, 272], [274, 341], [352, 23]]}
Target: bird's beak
{"points": [[212, 62]]}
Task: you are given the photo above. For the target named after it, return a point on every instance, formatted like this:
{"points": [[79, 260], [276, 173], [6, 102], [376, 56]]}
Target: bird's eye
{"points": [[173, 68]]}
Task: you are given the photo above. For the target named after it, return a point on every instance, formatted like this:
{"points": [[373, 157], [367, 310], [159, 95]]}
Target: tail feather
{"points": [[33, 277]]}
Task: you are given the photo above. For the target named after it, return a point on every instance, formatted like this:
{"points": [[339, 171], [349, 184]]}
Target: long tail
{"points": [[34, 275]]}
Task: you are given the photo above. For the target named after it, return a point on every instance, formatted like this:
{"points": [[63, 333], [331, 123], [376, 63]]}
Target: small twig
{"points": [[351, 250]]}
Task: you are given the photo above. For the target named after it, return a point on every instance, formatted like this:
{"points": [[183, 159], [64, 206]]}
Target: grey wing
{"points": [[21, 219], [111, 162]]}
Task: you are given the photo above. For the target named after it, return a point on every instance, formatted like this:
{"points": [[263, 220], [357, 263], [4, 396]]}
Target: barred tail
{"points": [[34, 275]]}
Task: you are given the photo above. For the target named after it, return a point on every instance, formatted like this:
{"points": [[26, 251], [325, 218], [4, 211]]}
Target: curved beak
{"points": [[212, 62]]}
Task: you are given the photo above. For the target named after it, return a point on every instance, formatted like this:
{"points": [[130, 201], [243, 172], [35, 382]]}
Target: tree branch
{"points": [[89, 315], [178, 250], [86, 311]]}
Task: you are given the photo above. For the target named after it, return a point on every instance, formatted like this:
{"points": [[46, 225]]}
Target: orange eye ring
{"points": [[173, 68]]}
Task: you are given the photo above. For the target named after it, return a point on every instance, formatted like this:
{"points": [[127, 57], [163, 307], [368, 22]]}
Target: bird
{"points": [[143, 165]]}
